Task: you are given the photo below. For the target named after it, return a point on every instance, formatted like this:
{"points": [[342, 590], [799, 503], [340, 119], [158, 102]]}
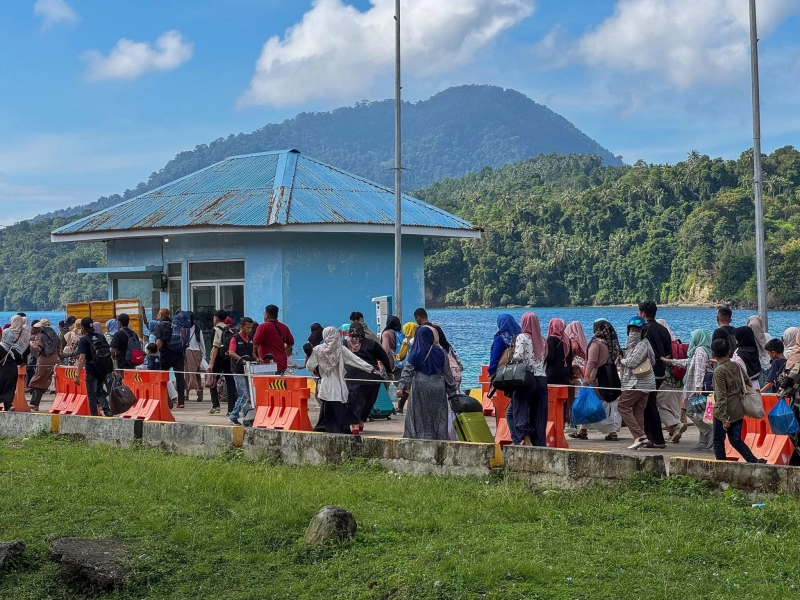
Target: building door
{"points": [[207, 298]]}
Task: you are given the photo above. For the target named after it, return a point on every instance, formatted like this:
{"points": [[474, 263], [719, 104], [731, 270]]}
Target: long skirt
{"points": [[45, 366], [337, 417], [668, 400], [8, 382], [426, 417], [362, 396], [195, 380]]}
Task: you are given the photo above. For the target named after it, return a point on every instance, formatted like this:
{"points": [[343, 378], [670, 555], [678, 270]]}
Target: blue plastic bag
{"points": [[782, 420], [587, 407]]}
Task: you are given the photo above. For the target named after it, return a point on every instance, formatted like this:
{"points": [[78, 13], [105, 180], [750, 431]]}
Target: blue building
{"points": [[268, 228]]}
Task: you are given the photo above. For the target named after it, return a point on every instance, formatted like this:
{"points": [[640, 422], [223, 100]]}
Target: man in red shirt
{"points": [[273, 337]]}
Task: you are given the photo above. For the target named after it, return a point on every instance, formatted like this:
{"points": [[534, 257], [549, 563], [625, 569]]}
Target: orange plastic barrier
{"points": [[20, 402], [70, 399], [150, 389], [757, 434], [281, 403], [502, 434], [488, 405], [556, 397]]}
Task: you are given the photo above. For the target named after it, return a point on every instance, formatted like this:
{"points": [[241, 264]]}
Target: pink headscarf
{"points": [[557, 329], [531, 328], [575, 332]]}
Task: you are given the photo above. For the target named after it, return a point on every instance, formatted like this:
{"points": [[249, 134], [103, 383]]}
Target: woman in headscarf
{"points": [[529, 406], [73, 336], [112, 327], [578, 344], [13, 345], [789, 339], [389, 343], [30, 358], [194, 356], [409, 331], [669, 395], [757, 325], [746, 355], [46, 347], [427, 373], [635, 388], [559, 353], [330, 359], [602, 349], [698, 367], [363, 394], [69, 323], [507, 330]]}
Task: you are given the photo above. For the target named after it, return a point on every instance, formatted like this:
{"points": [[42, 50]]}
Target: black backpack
{"points": [[134, 354], [227, 335], [101, 355]]}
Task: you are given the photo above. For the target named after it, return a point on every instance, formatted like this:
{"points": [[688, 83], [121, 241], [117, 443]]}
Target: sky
{"points": [[96, 95]]}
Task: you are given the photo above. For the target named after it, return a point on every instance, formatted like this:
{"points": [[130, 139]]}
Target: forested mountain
{"points": [[564, 230], [457, 131], [559, 230]]}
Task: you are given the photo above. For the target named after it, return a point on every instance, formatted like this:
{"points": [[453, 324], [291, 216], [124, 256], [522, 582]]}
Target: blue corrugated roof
{"points": [[261, 190]]}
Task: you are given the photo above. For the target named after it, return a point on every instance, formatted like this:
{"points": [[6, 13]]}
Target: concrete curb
{"points": [[573, 469], [98, 430], [188, 438], [20, 425], [739, 475]]}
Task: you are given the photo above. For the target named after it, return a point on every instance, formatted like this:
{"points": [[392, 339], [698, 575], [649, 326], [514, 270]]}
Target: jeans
{"points": [[734, 434], [515, 439], [174, 360], [243, 402], [97, 397]]}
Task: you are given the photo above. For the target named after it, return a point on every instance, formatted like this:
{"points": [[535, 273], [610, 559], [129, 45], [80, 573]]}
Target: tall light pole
{"points": [[761, 269], [398, 176]]}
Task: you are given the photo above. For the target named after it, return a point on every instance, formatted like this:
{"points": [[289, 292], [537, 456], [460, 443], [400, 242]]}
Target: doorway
{"points": [[208, 297]]}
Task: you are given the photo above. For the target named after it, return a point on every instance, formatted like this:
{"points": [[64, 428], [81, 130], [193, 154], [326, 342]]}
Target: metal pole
{"points": [[761, 269], [398, 176]]}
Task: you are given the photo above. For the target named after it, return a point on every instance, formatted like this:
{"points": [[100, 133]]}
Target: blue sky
{"points": [[97, 94]]}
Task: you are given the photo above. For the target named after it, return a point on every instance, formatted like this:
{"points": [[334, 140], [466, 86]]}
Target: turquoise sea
{"points": [[471, 329]]}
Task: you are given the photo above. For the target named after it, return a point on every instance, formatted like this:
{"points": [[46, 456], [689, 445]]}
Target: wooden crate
{"points": [[102, 311], [79, 310], [133, 308]]}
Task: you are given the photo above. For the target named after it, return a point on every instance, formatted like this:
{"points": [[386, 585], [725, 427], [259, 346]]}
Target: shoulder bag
{"points": [[751, 401], [512, 375]]}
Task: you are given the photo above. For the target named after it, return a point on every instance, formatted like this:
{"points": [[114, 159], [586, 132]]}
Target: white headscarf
{"points": [[757, 325], [329, 353], [663, 323], [789, 338], [16, 336]]}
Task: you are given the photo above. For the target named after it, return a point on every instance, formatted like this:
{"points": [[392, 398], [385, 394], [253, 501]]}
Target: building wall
{"points": [[320, 277]]}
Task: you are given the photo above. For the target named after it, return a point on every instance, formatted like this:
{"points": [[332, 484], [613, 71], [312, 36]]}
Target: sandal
{"points": [[578, 435], [612, 437]]}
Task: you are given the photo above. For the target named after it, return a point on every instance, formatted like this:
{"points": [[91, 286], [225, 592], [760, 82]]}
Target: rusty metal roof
{"points": [[268, 189]]}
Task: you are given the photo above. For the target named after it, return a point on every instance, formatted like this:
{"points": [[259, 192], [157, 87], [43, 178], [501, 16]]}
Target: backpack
{"points": [[181, 332], [134, 354], [101, 355], [679, 351], [227, 335]]}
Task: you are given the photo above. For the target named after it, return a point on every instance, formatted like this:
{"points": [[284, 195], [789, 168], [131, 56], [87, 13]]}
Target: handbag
{"points": [[511, 375], [751, 402], [608, 377], [643, 370]]}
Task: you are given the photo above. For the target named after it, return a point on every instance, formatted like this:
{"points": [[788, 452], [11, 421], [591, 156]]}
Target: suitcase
{"points": [[472, 427], [384, 408]]}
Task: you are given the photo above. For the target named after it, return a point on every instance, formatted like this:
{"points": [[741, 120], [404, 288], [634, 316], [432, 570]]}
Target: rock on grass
{"points": [[330, 523], [10, 552], [90, 563]]}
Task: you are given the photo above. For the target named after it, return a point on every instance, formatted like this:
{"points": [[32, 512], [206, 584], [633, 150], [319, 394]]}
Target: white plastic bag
{"points": [[172, 391], [203, 365], [612, 423]]}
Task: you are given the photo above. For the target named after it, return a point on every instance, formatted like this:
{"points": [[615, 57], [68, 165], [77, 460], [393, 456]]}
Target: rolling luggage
{"points": [[472, 427], [384, 408]]}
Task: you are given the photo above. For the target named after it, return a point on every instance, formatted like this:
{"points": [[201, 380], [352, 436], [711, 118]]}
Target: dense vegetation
{"points": [[229, 529], [457, 131], [559, 230], [564, 230]]}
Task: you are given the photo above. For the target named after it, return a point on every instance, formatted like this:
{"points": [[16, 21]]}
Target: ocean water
{"points": [[471, 330]]}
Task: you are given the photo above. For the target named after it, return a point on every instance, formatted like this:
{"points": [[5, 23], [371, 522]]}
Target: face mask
{"points": [[634, 337]]}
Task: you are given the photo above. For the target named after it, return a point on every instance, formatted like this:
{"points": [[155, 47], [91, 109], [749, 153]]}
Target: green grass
{"points": [[231, 529]]}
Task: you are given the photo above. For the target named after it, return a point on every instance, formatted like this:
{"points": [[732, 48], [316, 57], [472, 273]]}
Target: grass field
{"points": [[230, 529]]}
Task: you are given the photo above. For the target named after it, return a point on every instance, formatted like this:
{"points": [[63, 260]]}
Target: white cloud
{"points": [[54, 12], [338, 51], [685, 41], [129, 59]]}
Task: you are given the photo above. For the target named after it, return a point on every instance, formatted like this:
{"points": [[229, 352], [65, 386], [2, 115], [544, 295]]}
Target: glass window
{"points": [[212, 271], [141, 289], [174, 269], [174, 293]]}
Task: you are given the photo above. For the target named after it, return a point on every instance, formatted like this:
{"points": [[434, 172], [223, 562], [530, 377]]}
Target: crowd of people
{"points": [[654, 384]]}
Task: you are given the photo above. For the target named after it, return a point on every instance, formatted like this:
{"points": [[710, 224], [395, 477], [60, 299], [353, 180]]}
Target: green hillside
{"points": [[457, 131], [559, 230]]}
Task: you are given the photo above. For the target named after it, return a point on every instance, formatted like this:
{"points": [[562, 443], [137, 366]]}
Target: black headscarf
{"points": [[70, 322], [393, 324], [315, 339], [747, 350]]}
